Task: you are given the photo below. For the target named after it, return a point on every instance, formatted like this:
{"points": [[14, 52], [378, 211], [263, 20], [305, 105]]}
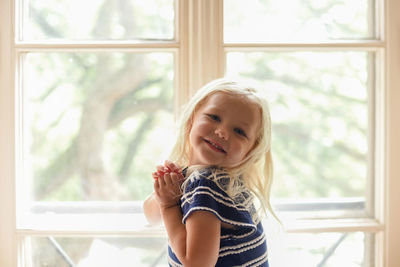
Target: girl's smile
{"points": [[215, 146], [223, 130]]}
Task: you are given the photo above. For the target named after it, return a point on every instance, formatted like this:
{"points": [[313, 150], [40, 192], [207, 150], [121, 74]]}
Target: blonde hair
{"points": [[255, 170]]}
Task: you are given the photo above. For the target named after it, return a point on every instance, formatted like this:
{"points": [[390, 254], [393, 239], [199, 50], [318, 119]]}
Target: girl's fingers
{"points": [[155, 175], [172, 166], [156, 185], [160, 168], [167, 179], [169, 165], [161, 181], [176, 178]]}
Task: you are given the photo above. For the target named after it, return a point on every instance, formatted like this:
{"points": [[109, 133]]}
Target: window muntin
{"points": [[149, 20], [297, 20]]}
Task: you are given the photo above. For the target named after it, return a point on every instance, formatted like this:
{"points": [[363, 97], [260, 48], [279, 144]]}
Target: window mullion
{"points": [[7, 163], [392, 144], [205, 51]]}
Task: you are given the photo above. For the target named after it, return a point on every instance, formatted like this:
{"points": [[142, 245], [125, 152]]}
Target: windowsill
{"points": [[137, 225], [127, 218]]}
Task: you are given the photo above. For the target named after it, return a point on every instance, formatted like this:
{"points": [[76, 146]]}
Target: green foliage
{"points": [[54, 155], [319, 119]]}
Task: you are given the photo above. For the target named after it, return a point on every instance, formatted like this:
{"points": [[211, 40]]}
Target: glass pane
{"points": [[95, 124], [98, 20], [321, 250], [97, 251], [319, 108], [284, 250], [297, 20]]}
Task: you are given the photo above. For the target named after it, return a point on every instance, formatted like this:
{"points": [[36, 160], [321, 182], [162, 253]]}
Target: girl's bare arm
{"points": [[151, 210], [195, 243]]}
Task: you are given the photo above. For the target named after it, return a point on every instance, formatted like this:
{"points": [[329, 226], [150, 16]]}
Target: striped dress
{"points": [[242, 245]]}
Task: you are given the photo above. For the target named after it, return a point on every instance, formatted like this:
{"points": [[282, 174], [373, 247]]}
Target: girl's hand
{"points": [[167, 188], [167, 184]]}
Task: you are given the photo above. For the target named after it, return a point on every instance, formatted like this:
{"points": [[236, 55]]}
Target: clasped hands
{"points": [[167, 184]]}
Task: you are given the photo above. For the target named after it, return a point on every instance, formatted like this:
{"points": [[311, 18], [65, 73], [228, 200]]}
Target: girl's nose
{"points": [[222, 133]]}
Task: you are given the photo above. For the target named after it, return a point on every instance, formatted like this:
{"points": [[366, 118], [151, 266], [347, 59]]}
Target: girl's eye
{"points": [[240, 132], [214, 117]]}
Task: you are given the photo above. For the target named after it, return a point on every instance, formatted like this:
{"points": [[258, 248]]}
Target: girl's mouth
{"points": [[215, 146]]}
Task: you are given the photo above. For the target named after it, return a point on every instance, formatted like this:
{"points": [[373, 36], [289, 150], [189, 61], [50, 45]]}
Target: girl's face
{"points": [[223, 130]]}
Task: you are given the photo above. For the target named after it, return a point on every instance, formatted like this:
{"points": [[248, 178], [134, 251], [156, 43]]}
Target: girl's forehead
{"points": [[241, 107]]}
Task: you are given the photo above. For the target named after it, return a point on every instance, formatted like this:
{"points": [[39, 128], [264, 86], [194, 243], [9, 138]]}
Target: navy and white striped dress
{"points": [[244, 244]]}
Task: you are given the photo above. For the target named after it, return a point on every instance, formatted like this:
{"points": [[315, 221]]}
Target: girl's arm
{"points": [[151, 210], [195, 243]]}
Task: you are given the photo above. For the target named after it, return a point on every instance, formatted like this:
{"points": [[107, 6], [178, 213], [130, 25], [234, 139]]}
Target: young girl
{"points": [[209, 208]]}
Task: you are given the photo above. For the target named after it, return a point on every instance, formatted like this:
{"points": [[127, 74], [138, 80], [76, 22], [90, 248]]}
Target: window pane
{"points": [[319, 108], [285, 250], [325, 249], [297, 20], [98, 20], [97, 251], [95, 124]]}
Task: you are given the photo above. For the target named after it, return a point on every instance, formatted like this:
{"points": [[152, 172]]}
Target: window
{"points": [[89, 92]]}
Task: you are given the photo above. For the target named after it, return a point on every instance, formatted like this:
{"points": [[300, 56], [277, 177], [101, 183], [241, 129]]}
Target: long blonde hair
{"points": [[255, 171]]}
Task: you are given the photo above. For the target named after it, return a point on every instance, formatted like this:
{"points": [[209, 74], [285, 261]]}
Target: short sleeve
{"points": [[203, 193]]}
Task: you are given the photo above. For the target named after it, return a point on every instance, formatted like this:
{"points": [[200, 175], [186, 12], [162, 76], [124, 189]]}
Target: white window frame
{"points": [[201, 59]]}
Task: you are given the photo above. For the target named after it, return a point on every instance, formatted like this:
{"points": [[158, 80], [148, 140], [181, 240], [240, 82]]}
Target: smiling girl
{"points": [[209, 207]]}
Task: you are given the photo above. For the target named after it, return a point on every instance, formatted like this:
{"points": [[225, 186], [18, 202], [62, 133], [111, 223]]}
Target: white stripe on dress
{"points": [[219, 217], [212, 193], [238, 251]]}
